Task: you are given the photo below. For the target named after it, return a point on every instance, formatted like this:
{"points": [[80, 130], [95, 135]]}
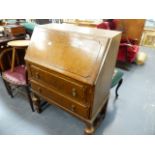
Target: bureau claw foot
{"points": [[89, 130], [36, 102]]}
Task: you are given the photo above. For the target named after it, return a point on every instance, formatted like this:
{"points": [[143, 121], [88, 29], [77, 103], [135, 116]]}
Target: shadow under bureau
{"points": [[72, 67]]}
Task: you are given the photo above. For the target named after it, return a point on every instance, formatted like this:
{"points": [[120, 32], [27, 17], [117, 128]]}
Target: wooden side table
{"points": [[15, 45]]}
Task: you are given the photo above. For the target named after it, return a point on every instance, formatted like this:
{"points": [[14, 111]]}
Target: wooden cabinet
{"points": [[72, 67], [132, 28], [14, 31]]}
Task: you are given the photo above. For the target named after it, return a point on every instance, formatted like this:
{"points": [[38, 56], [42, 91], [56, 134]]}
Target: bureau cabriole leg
{"points": [[103, 111], [36, 102]]}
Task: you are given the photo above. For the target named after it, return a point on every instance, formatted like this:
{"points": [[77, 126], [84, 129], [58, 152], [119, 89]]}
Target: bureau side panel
{"points": [[103, 81]]}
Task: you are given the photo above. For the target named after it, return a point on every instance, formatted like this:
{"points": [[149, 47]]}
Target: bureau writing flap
{"points": [[69, 52]]}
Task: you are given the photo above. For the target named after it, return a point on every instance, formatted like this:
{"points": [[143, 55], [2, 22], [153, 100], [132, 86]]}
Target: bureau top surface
{"points": [[70, 50]]}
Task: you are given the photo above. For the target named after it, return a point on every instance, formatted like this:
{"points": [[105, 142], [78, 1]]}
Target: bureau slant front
{"points": [[72, 67]]}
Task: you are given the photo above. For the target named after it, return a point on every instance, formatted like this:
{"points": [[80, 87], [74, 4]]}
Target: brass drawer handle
{"points": [[37, 75], [74, 92], [39, 90], [73, 108]]}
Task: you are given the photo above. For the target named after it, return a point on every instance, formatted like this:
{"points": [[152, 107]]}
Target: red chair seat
{"points": [[16, 77]]}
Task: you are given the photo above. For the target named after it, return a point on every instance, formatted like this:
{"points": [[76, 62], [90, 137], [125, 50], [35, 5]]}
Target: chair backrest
{"points": [[6, 59], [104, 25]]}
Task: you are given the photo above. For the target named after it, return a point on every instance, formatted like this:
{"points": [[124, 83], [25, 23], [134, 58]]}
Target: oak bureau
{"points": [[72, 67]]}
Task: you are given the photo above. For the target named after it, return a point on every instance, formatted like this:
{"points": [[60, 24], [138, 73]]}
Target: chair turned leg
{"points": [[29, 97], [8, 88], [116, 91]]}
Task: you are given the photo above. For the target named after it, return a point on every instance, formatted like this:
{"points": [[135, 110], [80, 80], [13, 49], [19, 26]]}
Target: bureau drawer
{"points": [[72, 89], [60, 99]]}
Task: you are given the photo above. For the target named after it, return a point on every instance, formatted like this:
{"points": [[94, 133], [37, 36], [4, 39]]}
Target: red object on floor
{"points": [[127, 52]]}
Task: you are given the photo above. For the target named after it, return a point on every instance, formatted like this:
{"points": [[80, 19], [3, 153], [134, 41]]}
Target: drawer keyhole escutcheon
{"points": [[73, 108], [37, 75]]}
